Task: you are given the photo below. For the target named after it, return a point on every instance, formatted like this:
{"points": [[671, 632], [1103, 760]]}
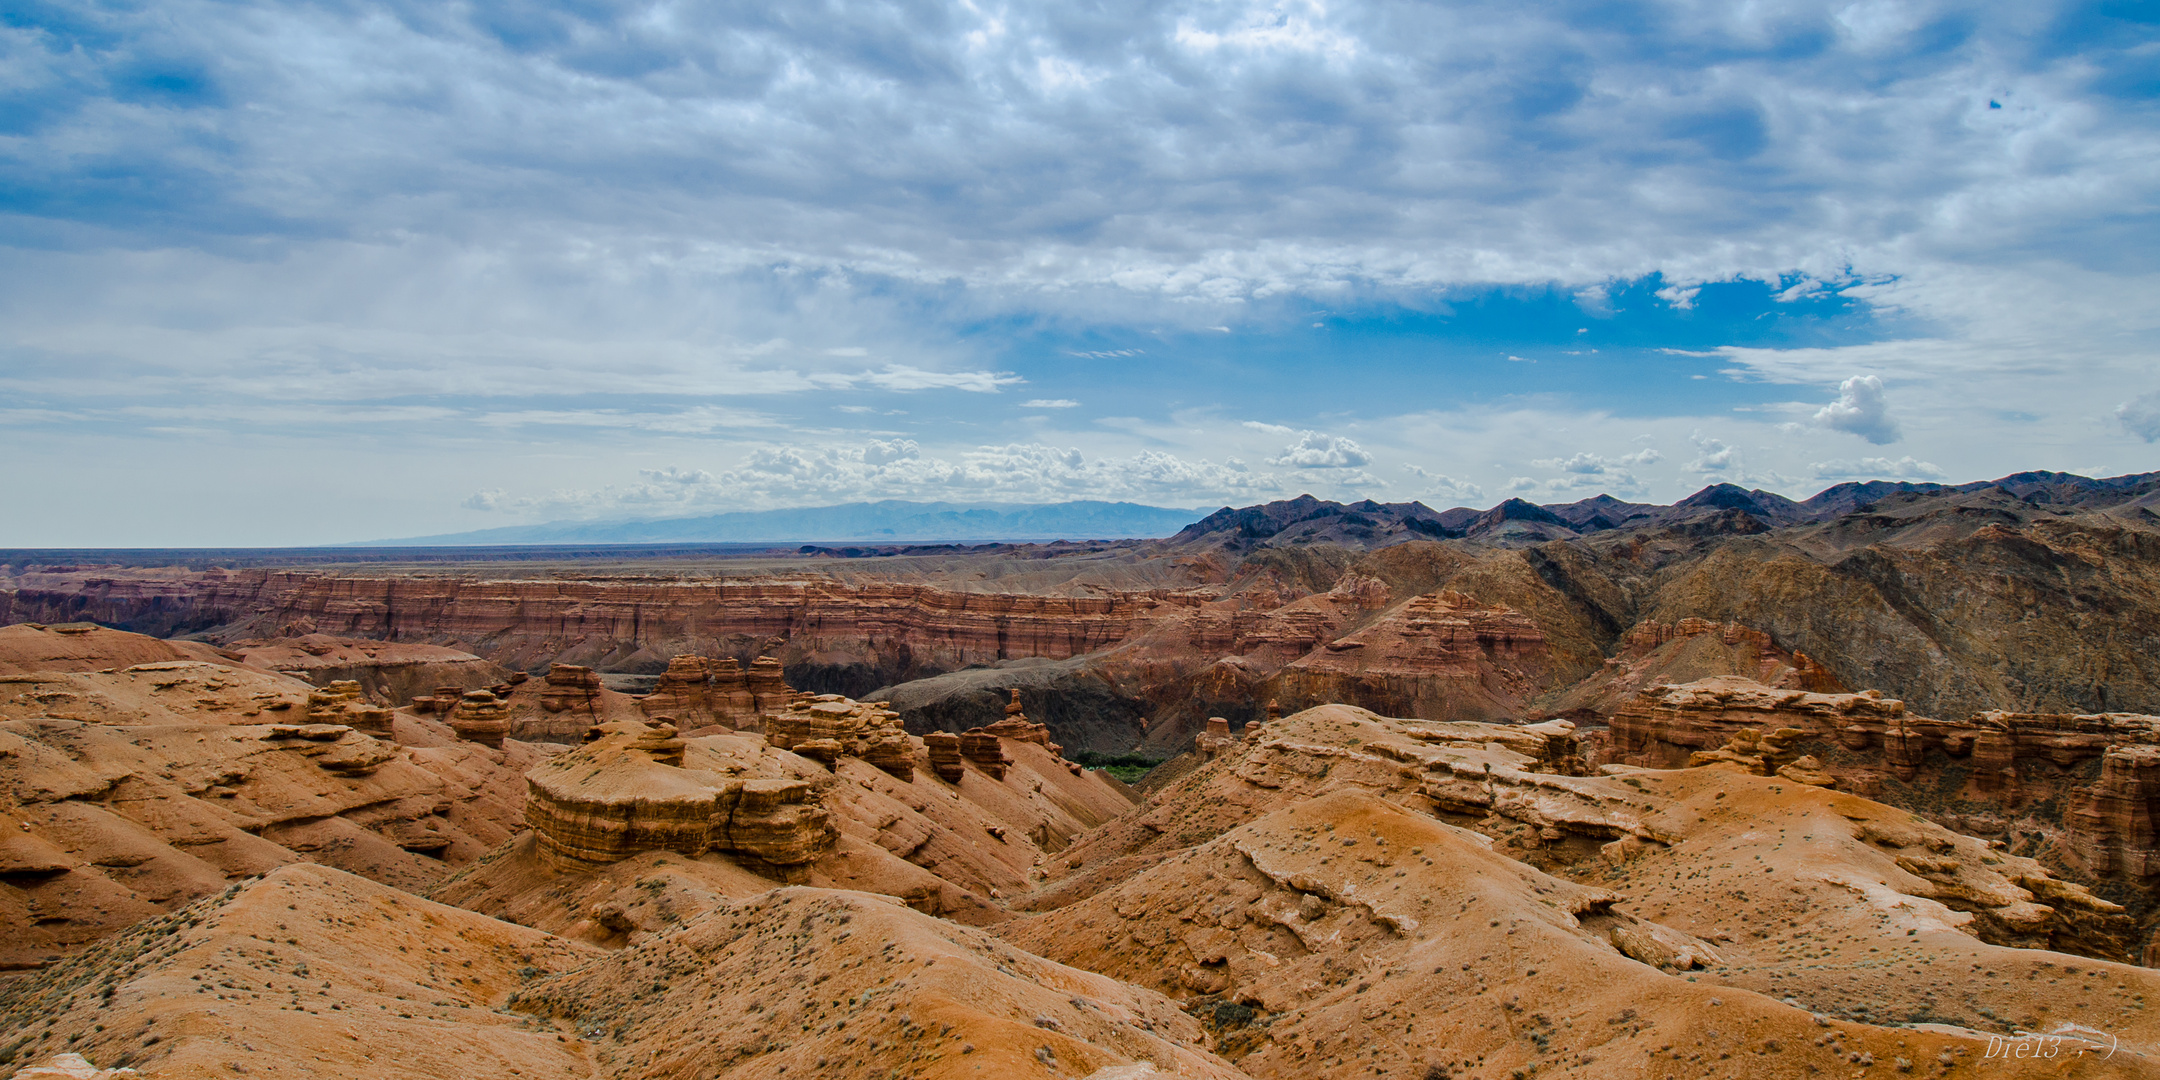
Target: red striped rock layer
{"points": [[531, 622]]}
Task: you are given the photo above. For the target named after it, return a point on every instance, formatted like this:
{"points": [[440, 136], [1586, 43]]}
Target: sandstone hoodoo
{"points": [[866, 730], [705, 693], [481, 717]]}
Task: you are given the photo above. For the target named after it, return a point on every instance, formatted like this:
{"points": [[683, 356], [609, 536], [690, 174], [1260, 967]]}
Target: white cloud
{"points": [[1440, 487], [1875, 468], [790, 475], [1712, 455], [2141, 416], [604, 238], [1316, 450], [1050, 403], [904, 377], [1589, 464], [490, 499], [1862, 410], [678, 477]]}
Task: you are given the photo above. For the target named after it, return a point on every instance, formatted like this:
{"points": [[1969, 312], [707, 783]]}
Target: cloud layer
{"points": [[495, 258]]}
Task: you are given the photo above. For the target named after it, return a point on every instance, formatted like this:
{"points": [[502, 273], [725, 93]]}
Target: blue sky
{"points": [[307, 272]]}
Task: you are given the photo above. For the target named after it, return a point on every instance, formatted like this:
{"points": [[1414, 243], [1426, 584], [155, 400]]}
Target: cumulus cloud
{"points": [[1441, 487], [1570, 488], [488, 499], [1875, 468], [1712, 455], [1589, 464], [1862, 410], [1317, 450], [2141, 416]]}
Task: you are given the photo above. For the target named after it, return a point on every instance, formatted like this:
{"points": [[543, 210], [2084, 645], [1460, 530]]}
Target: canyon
{"points": [[1741, 786]]}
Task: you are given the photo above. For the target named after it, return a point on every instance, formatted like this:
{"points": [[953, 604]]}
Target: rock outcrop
{"points": [[1215, 739], [102, 825], [481, 717], [1664, 725], [702, 693], [1441, 656], [985, 752], [341, 702], [386, 671], [2114, 829], [627, 792], [837, 726], [945, 757], [1656, 653]]}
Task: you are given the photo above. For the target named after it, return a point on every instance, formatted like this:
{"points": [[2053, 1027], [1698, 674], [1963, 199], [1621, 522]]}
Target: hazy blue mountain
{"points": [[889, 521]]}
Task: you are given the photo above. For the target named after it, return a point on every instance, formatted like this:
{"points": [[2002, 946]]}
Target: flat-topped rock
{"points": [[626, 792]]}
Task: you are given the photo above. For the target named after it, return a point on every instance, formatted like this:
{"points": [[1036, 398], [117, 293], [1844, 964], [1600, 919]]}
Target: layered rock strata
{"points": [[827, 726], [1441, 656], [945, 757], [341, 703], [2115, 828], [1662, 726], [2080, 790], [481, 717], [704, 693], [386, 671], [985, 752], [626, 792], [571, 689]]}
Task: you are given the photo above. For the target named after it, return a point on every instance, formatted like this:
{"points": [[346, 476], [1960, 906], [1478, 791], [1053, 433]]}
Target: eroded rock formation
{"points": [[341, 702], [945, 757], [481, 717], [386, 671], [626, 792], [1442, 656], [1214, 739], [104, 823], [827, 726], [703, 693]]}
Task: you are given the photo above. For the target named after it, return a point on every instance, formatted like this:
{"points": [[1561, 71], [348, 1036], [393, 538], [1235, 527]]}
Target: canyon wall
{"points": [[2079, 791]]}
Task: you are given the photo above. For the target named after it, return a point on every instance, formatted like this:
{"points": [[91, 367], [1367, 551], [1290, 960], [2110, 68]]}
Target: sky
{"points": [[311, 272]]}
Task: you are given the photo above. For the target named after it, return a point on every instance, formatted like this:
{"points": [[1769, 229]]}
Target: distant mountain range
{"points": [[1304, 519], [890, 521], [1719, 508]]}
